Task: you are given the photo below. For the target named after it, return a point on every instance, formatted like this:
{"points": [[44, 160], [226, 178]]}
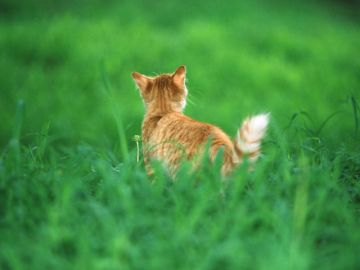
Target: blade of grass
{"points": [[355, 108], [317, 132], [116, 113], [15, 140]]}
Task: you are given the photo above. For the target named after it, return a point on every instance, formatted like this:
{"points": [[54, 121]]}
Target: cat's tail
{"points": [[249, 136]]}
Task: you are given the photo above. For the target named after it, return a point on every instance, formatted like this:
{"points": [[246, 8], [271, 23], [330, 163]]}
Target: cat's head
{"points": [[164, 93]]}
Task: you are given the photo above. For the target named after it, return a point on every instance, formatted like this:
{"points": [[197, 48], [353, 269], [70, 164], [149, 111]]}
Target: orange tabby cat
{"points": [[170, 136]]}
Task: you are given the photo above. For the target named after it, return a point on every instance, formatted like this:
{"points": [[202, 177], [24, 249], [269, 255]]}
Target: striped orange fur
{"points": [[170, 136]]}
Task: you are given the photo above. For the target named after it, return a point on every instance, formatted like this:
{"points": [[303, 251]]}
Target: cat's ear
{"points": [[141, 81], [179, 76]]}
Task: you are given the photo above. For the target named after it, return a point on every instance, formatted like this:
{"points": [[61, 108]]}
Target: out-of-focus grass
{"points": [[72, 194], [242, 58]]}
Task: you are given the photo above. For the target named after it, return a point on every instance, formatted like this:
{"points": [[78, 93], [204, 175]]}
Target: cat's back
{"points": [[180, 128], [176, 126]]}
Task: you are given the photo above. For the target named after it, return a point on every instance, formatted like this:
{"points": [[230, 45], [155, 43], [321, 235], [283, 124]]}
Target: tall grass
{"points": [[79, 208]]}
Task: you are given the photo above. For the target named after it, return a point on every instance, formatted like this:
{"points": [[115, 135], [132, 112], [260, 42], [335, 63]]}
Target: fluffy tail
{"points": [[249, 136]]}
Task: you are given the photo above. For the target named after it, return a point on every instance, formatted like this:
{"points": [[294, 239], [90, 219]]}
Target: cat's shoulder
{"points": [[175, 116], [180, 119]]}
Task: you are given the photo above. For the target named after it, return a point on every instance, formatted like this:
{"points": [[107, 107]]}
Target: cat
{"points": [[170, 136]]}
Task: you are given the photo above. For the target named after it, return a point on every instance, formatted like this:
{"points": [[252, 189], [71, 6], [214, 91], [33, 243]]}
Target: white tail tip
{"points": [[251, 132]]}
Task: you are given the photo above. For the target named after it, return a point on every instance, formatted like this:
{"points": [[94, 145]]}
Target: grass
{"points": [[72, 194]]}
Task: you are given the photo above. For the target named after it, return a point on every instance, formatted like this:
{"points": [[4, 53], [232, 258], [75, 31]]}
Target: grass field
{"points": [[72, 195]]}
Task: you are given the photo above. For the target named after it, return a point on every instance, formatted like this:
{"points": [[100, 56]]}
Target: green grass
{"points": [[72, 195]]}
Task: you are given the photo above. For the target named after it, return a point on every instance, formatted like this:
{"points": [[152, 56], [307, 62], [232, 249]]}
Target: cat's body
{"points": [[170, 136]]}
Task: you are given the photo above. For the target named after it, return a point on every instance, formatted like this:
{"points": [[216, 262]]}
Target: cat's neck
{"points": [[156, 116]]}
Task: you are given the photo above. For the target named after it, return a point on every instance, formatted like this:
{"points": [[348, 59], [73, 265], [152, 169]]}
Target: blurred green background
{"points": [[243, 57], [70, 198]]}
